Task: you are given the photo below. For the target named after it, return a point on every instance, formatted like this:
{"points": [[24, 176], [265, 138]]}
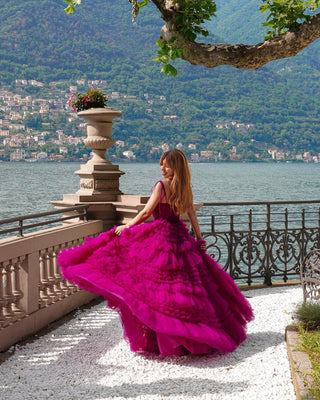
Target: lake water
{"points": [[28, 188]]}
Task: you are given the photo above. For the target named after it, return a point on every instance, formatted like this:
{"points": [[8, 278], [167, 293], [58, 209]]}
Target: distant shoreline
{"points": [[156, 162]]}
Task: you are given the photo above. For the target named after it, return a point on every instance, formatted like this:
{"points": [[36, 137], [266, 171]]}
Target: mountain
{"points": [[39, 40], [99, 41]]}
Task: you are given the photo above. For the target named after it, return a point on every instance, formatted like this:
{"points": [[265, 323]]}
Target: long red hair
{"points": [[181, 197]]}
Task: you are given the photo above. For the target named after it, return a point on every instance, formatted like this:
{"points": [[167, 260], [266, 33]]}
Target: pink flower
{"points": [[86, 100], [70, 100]]}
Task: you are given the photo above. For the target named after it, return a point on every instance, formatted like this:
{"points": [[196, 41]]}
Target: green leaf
{"points": [[173, 70], [172, 40], [169, 69], [70, 9], [160, 43], [165, 69], [264, 8], [143, 3], [162, 52], [172, 54]]}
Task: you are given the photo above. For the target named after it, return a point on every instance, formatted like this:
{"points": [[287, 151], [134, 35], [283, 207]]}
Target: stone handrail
{"points": [[32, 290], [24, 223]]}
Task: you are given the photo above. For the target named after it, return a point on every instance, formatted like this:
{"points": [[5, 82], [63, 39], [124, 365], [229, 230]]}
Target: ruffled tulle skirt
{"points": [[173, 298]]}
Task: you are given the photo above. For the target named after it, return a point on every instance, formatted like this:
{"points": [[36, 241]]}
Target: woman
{"points": [[172, 297]]}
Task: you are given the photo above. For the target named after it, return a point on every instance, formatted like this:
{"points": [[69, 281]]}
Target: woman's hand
{"points": [[120, 229], [203, 244]]}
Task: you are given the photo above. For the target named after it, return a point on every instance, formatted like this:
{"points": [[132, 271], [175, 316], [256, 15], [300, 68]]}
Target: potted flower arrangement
{"points": [[93, 98]]}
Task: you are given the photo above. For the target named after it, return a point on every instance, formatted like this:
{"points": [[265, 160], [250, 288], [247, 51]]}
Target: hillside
{"points": [[281, 100], [229, 21]]}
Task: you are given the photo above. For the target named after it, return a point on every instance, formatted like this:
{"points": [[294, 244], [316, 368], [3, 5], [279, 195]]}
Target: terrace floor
{"points": [[85, 357]]}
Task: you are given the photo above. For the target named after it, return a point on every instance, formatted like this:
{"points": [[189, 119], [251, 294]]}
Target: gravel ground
{"points": [[87, 358]]}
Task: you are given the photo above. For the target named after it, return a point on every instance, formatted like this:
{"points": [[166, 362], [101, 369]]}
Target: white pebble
{"points": [[87, 358]]}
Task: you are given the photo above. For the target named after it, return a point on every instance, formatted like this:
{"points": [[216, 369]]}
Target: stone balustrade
{"points": [[32, 290]]}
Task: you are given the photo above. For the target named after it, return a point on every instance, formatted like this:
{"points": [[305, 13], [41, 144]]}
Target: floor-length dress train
{"points": [[173, 298]]}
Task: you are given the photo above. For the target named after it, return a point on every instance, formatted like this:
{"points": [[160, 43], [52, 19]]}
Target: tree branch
{"points": [[240, 56]]}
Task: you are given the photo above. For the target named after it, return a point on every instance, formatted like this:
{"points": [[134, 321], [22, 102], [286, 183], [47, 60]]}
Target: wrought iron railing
{"points": [[261, 241], [24, 223]]}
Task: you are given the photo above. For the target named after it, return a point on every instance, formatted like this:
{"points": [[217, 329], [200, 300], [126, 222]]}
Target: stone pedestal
{"points": [[98, 182], [99, 178]]}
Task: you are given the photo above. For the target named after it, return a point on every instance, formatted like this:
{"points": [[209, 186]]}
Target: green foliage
{"points": [[72, 5], [33, 121], [143, 3], [286, 14], [310, 344], [308, 314], [191, 14], [167, 51]]}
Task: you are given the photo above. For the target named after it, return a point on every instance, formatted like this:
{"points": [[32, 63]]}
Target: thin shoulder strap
{"points": [[164, 191]]}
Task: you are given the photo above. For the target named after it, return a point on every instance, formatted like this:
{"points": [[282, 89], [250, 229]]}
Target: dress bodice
{"points": [[163, 210]]}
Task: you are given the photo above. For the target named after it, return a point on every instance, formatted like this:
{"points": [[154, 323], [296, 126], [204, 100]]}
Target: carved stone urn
{"points": [[99, 178], [99, 131]]}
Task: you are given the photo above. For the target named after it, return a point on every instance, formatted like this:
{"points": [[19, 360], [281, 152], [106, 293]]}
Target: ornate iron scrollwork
{"points": [[263, 244], [310, 276]]}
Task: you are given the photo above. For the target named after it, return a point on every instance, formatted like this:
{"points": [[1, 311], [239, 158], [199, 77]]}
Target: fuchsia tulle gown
{"points": [[173, 298]]}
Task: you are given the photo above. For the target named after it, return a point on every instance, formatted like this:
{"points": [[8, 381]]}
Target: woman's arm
{"points": [[146, 212], [195, 225]]}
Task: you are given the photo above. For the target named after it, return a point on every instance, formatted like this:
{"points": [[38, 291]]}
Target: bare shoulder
{"points": [[157, 189], [161, 184], [157, 186]]}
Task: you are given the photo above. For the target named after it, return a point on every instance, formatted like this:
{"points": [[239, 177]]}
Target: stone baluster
{"points": [[17, 292], [43, 286], [51, 278], [2, 318], [57, 275], [8, 297]]}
